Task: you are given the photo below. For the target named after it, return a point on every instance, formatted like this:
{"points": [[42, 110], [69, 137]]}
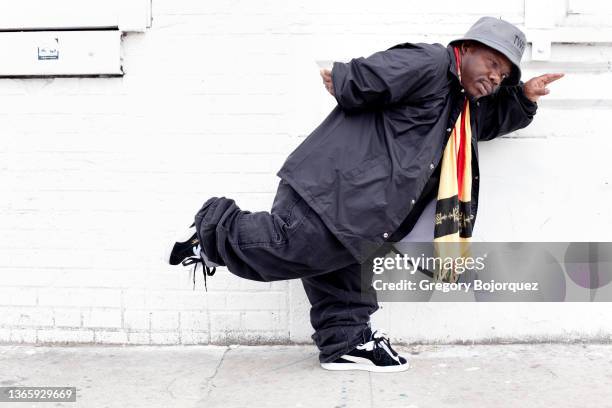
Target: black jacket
{"points": [[365, 166]]}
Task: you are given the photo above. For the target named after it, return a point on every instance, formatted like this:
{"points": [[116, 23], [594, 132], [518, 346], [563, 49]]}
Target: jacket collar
{"points": [[453, 64]]}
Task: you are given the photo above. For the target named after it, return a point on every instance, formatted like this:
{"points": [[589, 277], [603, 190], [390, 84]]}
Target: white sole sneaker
{"points": [[365, 367], [375, 355]]}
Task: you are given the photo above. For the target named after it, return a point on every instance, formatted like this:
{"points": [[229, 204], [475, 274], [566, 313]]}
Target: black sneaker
{"points": [[187, 251], [184, 247], [376, 355]]}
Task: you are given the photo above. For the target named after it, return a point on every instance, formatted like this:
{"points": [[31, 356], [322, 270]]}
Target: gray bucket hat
{"points": [[501, 36]]}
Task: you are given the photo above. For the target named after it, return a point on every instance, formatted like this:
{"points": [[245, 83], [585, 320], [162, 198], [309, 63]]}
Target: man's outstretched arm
{"points": [[512, 107], [383, 78]]}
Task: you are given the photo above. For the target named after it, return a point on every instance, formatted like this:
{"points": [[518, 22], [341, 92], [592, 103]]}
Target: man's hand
{"points": [[327, 80], [536, 87]]}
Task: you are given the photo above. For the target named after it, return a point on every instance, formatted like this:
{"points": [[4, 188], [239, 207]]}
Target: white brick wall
{"points": [[97, 173]]}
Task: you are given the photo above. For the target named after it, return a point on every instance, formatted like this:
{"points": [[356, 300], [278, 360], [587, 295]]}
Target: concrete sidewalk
{"points": [[540, 375]]}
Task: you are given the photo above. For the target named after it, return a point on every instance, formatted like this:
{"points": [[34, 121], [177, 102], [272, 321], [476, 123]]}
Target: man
{"points": [[403, 137]]}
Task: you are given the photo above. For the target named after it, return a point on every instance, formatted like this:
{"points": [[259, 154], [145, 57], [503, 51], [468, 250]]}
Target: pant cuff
{"points": [[363, 337]]}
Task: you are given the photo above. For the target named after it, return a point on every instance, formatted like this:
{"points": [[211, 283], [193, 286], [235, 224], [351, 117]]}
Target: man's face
{"points": [[482, 69]]}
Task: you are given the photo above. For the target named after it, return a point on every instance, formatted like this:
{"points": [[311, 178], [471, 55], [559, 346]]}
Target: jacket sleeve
{"points": [[383, 78], [505, 111]]}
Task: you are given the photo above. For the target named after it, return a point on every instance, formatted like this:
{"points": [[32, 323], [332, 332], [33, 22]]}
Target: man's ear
{"points": [[466, 46]]}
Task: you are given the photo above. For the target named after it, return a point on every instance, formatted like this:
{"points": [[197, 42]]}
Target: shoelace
{"points": [[195, 260], [383, 339]]}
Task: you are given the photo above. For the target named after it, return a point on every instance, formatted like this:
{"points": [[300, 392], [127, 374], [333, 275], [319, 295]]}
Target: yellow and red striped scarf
{"points": [[453, 221]]}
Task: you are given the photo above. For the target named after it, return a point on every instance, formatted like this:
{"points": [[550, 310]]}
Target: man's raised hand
{"points": [[536, 87], [327, 80]]}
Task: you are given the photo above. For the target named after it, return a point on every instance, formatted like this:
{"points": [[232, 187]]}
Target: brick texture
{"points": [[97, 174]]}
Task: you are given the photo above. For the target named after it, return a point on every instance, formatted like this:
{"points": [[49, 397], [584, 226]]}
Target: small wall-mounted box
{"points": [[60, 53]]}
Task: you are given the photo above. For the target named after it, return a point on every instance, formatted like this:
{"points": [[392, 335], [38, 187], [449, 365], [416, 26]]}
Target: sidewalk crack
{"points": [[168, 387], [371, 392], [209, 380]]}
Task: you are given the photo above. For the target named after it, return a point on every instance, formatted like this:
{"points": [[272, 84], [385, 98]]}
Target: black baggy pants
{"points": [[292, 242]]}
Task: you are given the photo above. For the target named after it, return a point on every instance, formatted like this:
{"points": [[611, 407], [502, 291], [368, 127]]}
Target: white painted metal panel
{"points": [[127, 15], [60, 53], [589, 13], [589, 7], [540, 14]]}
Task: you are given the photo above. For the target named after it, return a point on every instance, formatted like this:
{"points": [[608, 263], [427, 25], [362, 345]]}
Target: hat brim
{"points": [[515, 75]]}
